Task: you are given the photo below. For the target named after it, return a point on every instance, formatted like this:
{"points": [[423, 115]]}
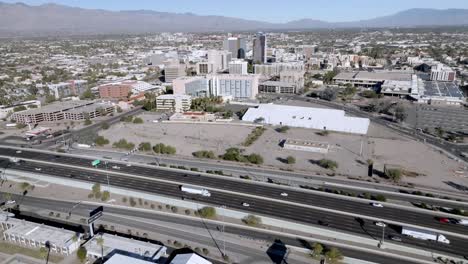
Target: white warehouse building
{"points": [[308, 117]]}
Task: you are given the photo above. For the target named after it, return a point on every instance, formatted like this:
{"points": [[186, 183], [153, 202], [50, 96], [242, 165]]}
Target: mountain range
{"points": [[22, 20]]}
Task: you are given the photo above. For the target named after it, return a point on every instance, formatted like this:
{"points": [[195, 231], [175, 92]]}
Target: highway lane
{"points": [[84, 209], [283, 211], [273, 191]]}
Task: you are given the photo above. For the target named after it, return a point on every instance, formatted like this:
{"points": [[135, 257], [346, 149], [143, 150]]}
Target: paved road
{"points": [[258, 206], [83, 210]]}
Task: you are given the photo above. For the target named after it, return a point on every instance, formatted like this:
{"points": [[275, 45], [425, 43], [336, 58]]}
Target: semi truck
{"points": [[424, 235], [195, 190]]}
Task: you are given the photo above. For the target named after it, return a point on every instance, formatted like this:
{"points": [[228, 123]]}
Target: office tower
{"points": [[236, 46], [260, 48], [220, 59]]}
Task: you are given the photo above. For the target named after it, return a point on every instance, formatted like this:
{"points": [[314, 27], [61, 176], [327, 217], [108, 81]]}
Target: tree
{"points": [[400, 113], [96, 188], [333, 255], [439, 131], [290, 160], [369, 94], [19, 108], [105, 196], [255, 158], [207, 212], [328, 77], [328, 94], [206, 154], [87, 95], [252, 220], [317, 249], [82, 253]]}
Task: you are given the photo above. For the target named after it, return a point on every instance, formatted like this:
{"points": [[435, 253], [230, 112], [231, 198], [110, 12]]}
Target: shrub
{"points": [[252, 220], [105, 125], [144, 146], [101, 141], [126, 119], [205, 154], [282, 129], [164, 149], [255, 158], [87, 122], [174, 209], [123, 144], [82, 253], [187, 212], [207, 212], [138, 120], [254, 135], [393, 174], [205, 251], [380, 198], [290, 160], [105, 196]]}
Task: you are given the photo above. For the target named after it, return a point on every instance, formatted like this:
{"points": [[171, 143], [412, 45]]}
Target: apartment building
{"points": [[174, 102]]}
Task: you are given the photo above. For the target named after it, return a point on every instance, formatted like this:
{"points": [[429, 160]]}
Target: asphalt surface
{"points": [[263, 207], [83, 210]]}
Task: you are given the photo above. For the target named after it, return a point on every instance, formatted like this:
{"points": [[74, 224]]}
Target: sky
{"points": [[266, 10]]}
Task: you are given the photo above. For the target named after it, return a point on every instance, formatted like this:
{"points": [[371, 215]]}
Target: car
{"points": [[129, 165], [10, 202], [454, 221], [323, 223], [115, 167], [377, 205], [245, 204], [443, 220], [396, 238], [38, 169], [284, 194], [381, 224], [19, 152]]}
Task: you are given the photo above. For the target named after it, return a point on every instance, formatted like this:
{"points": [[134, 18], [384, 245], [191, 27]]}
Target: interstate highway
{"points": [[270, 191], [84, 209], [259, 206]]}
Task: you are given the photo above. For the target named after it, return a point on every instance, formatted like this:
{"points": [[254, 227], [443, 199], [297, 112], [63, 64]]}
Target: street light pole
{"points": [[383, 236]]}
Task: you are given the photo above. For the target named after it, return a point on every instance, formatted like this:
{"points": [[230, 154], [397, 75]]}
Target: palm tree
{"points": [[333, 255], [100, 242]]}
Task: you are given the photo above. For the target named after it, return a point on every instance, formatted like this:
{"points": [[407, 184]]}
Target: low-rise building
{"points": [[275, 69], [366, 79], [174, 102], [67, 89], [34, 235], [293, 77], [127, 90], [276, 87], [173, 71], [238, 67], [8, 110], [441, 72]]}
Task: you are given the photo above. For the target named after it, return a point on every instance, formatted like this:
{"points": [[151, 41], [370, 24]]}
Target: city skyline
{"points": [[330, 11]]}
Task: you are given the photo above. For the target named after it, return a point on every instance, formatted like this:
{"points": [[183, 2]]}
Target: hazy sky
{"points": [[267, 10]]}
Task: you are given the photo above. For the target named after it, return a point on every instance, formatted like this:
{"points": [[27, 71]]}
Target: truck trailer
{"points": [[195, 190], [424, 235]]}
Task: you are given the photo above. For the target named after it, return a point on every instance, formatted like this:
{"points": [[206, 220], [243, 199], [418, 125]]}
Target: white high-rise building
{"points": [[238, 67]]}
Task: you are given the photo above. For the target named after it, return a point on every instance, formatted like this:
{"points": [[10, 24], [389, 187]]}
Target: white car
{"points": [[245, 204], [10, 202], [129, 165], [19, 152], [377, 205], [115, 167], [381, 224], [38, 169], [284, 194]]}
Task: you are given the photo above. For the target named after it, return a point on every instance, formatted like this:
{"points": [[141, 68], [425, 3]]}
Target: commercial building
{"points": [[174, 102], [238, 67], [277, 87], [440, 93], [67, 89], [259, 48], [293, 77], [69, 110], [306, 145], [237, 47], [34, 235], [441, 72], [173, 71], [116, 245], [194, 86], [307, 117], [189, 258], [308, 51], [366, 79], [275, 69]]}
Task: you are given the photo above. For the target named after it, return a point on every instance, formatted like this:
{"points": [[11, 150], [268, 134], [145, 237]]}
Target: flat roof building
{"points": [[174, 102], [307, 117], [68, 110], [277, 87], [370, 79]]}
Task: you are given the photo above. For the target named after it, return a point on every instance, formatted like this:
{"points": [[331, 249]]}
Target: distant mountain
{"points": [[57, 20]]}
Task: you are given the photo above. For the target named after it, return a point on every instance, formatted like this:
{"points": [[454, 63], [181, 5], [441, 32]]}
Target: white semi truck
{"points": [[424, 235], [195, 190]]}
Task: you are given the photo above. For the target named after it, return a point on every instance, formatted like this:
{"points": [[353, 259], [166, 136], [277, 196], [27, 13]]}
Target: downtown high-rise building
{"points": [[237, 47], [259, 48]]}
